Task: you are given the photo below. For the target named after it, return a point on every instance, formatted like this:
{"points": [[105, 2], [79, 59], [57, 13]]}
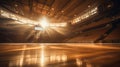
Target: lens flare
{"points": [[44, 22]]}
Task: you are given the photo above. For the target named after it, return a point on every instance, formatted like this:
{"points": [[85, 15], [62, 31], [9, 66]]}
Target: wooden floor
{"points": [[59, 55]]}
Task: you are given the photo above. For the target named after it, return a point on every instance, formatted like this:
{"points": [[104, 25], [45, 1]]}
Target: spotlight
{"points": [[44, 22]]}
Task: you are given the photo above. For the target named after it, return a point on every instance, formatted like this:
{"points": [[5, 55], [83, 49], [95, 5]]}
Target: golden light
{"points": [[79, 62], [44, 22], [85, 15], [18, 18], [42, 57], [62, 24]]}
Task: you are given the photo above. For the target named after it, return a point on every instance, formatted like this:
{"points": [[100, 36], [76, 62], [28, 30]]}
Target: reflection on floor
{"points": [[59, 55]]}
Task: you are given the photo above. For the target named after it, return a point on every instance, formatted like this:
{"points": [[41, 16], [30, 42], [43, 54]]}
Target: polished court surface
{"points": [[59, 55]]}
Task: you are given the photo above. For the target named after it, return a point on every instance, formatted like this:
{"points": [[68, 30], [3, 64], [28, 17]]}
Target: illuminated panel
{"points": [[84, 16], [38, 28], [22, 20]]}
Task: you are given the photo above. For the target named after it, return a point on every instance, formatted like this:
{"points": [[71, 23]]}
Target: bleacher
{"points": [[114, 36], [89, 36]]}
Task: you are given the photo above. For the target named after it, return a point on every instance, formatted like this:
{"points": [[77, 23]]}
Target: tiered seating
{"points": [[114, 35], [89, 36], [93, 24]]}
